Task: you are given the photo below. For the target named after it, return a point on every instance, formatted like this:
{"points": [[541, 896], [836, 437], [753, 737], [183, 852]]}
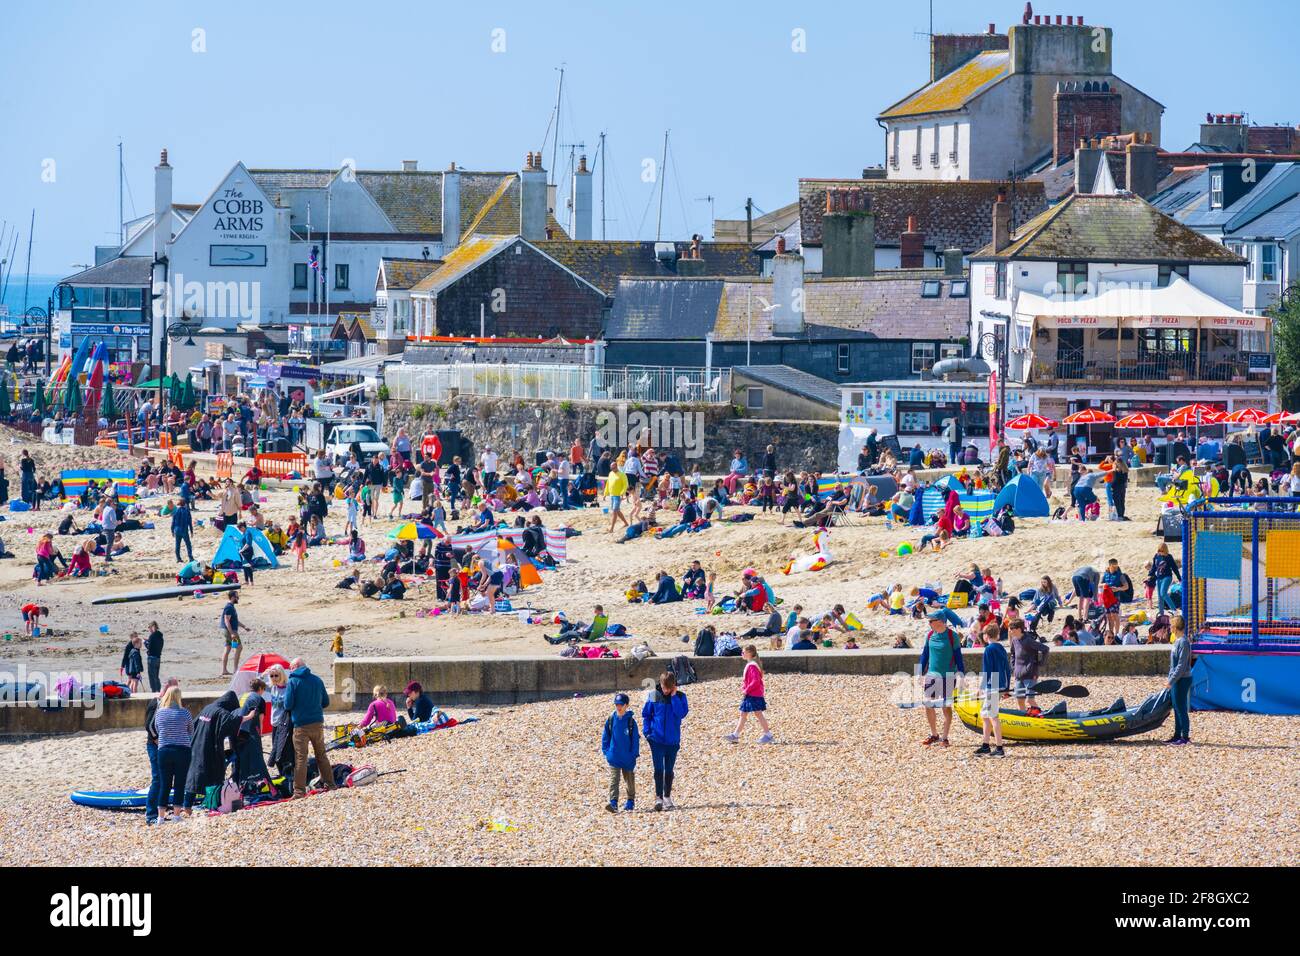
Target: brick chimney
{"points": [[912, 247], [1001, 222], [691, 262], [1225, 131], [1140, 166], [848, 235], [1082, 110]]}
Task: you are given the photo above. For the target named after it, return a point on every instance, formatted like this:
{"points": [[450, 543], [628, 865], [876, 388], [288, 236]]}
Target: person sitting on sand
{"points": [[79, 566], [419, 707], [693, 582], [665, 589], [381, 710]]}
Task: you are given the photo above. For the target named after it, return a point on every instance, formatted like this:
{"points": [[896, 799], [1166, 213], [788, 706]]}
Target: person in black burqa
{"points": [[217, 723]]}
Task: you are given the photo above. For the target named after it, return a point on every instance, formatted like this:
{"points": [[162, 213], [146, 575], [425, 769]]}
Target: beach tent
{"points": [[557, 542], [228, 551], [1025, 498], [977, 504], [950, 483], [75, 481]]}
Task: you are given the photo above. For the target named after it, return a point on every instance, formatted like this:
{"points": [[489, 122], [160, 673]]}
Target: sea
{"points": [[39, 291]]}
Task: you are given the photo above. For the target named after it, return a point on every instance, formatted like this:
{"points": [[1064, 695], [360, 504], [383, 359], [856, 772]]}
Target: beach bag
{"points": [[212, 797], [958, 599], [704, 643], [616, 630], [361, 776], [683, 670]]}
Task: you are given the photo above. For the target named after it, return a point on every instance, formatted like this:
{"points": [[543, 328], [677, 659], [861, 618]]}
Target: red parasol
{"points": [[1090, 416], [1247, 416], [1141, 420], [1030, 422], [261, 663]]}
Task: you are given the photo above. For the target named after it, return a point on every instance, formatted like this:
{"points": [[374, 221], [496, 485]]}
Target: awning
{"points": [[1179, 305], [340, 392]]}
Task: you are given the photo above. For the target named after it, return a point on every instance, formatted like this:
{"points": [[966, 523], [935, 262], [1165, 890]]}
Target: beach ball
{"points": [[904, 549], [103, 629]]}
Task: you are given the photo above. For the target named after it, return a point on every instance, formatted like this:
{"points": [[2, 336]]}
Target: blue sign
{"points": [[95, 328]]}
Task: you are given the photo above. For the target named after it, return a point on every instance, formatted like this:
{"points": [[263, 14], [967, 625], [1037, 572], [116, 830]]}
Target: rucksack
{"points": [[683, 670], [361, 776], [704, 643]]}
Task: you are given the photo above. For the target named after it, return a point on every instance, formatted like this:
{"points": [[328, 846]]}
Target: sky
{"points": [[748, 112]]}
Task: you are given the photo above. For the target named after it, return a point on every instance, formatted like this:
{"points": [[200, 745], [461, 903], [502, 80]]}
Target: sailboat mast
{"points": [[663, 169], [555, 148], [602, 186], [27, 283]]}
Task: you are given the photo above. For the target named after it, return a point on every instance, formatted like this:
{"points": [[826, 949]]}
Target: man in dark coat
{"points": [[216, 723]]}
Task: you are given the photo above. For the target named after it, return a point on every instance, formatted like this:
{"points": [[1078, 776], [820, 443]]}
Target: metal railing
{"points": [[1079, 365], [662, 385]]}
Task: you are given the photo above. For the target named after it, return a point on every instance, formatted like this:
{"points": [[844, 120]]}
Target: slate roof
{"points": [[1121, 228], [462, 260], [604, 262], [124, 270], [1282, 220], [956, 89], [412, 199], [952, 215], [886, 306], [401, 274], [796, 382]]}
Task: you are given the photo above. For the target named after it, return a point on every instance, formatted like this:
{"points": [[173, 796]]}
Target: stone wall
{"points": [[707, 434]]}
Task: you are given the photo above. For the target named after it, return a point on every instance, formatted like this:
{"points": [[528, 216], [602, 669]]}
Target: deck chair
{"points": [[713, 389]]}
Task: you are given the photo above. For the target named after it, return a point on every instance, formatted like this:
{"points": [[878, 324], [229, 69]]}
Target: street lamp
{"points": [[49, 324], [988, 345]]}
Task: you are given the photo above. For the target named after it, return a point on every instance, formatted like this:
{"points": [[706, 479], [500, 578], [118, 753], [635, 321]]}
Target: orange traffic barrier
{"points": [[225, 464], [279, 464], [164, 439], [177, 458]]}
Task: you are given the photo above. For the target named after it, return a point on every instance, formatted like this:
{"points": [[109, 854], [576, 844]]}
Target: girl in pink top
{"points": [[754, 701], [381, 710]]}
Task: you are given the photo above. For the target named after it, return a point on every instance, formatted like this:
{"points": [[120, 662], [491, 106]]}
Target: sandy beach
{"points": [[295, 613]]}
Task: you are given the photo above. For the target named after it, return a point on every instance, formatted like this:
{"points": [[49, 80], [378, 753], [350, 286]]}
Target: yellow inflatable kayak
{"points": [[1063, 726]]}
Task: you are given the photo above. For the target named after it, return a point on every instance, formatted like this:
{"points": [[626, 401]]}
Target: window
{"points": [[930, 289], [916, 157], [842, 359], [893, 155], [922, 357], [956, 141], [1268, 262], [340, 277], [300, 275], [1072, 277], [1000, 283], [951, 350], [857, 399], [1165, 340], [915, 418], [934, 153], [1216, 190], [754, 398], [1166, 272], [959, 289], [1108, 335]]}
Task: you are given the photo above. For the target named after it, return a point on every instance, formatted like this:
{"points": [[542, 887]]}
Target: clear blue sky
{"points": [[310, 84]]}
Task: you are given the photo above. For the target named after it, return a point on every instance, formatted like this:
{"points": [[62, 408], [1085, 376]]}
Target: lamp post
{"points": [[49, 325]]}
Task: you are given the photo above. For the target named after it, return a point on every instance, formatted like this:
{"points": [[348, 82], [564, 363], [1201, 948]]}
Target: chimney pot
{"points": [[1058, 19], [993, 29], [911, 224], [780, 245], [163, 160]]}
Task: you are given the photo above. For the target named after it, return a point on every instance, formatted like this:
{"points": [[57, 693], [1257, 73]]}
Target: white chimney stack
{"points": [[450, 208], [162, 207], [532, 198], [580, 224], [787, 291]]}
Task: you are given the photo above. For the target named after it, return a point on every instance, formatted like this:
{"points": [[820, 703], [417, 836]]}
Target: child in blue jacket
{"points": [[665, 709], [620, 742]]}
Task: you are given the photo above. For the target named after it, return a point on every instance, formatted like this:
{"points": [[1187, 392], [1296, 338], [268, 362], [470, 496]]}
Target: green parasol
{"points": [[72, 400], [5, 410], [38, 398], [108, 406], [188, 398]]}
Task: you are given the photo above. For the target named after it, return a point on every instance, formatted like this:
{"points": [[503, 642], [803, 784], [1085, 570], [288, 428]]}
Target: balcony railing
{"points": [[588, 383], [1079, 365]]}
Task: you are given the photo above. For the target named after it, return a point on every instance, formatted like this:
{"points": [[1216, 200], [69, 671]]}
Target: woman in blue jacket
{"points": [[661, 724]]}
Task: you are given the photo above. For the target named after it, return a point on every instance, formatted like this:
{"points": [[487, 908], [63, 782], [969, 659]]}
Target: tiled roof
{"points": [[276, 180], [603, 262], [463, 259], [952, 215], [124, 270], [958, 88], [1121, 228], [885, 306], [1282, 220], [412, 200], [402, 274], [793, 380]]}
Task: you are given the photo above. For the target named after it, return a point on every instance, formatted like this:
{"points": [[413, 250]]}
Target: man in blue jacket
{"points": [[305, 700], [182, 526], [621, 744], [661, 720]]}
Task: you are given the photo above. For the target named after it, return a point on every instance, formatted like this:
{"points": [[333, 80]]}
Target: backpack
{"points": [[361, 776], [704, 643], [682, 669]]}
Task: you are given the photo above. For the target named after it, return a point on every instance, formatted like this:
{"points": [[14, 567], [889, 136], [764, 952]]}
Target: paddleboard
{"points": [[110, 799], [159, 594]]}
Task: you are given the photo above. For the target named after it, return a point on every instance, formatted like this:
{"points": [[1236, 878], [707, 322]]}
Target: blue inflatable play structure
{"points": [[1241, 601], [1025, 498]]}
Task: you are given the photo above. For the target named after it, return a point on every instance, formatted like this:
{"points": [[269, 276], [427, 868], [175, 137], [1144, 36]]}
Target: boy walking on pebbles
{"points": [[620, 742], [995, 678]]}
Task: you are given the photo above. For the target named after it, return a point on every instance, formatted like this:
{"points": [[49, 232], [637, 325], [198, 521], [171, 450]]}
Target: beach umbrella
{"points": [[414, 531], [72, 400], [1286, 418], [108, 407], [1141, 420], [188, 400], [4, 398], [261, 663], [1090, 416], [1247, 416], [1031, 422], [38, 398], [173, 385]]}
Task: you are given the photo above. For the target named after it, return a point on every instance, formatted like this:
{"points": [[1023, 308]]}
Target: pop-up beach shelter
{"points": [[1025, 498], [228, 555]]}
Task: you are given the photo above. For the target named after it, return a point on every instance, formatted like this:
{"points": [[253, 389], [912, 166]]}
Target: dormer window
{"points": [[1216, 190]]}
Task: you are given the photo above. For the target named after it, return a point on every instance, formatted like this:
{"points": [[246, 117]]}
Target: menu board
{"points": [[913, 422]]}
